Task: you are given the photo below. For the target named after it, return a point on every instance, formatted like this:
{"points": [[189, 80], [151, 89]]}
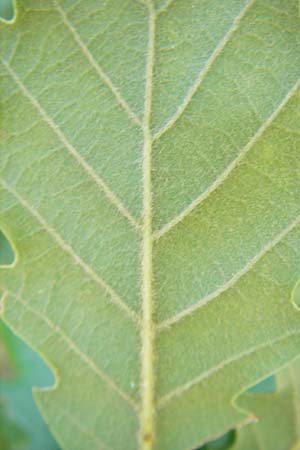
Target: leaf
{"points": [[149, 170], [228, 440], [21, 425], [277, 426]]}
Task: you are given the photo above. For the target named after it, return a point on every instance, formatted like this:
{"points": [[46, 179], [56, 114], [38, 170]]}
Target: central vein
{"points": [[147, 375]]}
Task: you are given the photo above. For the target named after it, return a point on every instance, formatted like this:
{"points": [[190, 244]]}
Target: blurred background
{"points": [[6, 9]]}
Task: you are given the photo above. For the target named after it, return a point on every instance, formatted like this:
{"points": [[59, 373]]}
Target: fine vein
{"points": [[147, 369], [100, 445], [104, 77], [234, 279], [164, 7], [202, 75], [70, 251], [81, 161], [220, 366], [73, 347], [234, 163]]}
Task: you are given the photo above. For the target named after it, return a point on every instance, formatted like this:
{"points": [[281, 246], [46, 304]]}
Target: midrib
{"points": [[147, 369]]}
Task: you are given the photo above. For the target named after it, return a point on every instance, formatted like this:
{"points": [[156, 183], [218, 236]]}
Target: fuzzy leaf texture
{"points": [[150, 186]]}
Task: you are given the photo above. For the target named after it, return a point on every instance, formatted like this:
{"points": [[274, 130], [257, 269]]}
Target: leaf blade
{"points": [[78, 248]]}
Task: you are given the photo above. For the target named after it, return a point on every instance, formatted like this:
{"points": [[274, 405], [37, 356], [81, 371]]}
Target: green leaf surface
{"points": [[21, 426], [229, 439], [277, 414], [150, 183]]}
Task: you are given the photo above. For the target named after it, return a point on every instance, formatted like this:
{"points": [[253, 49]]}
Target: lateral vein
{"points": [[220, 366], [202, 75], [233, 280], [164, 8], [78, 424], [103, 76], [70, 251], [69, 147], [234, 163], [72, 346]]}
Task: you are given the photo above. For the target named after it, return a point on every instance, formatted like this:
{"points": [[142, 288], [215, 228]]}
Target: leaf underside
{"points": [[150, 185]]}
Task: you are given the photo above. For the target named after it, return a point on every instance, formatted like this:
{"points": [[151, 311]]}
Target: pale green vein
{"points": [[104, 77], [78, 424], [228, 170], [147, 369], [220, 366], [202, 75], [74, 348], [164, 7], [70, 251], [234, 279], [114, 200]]}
